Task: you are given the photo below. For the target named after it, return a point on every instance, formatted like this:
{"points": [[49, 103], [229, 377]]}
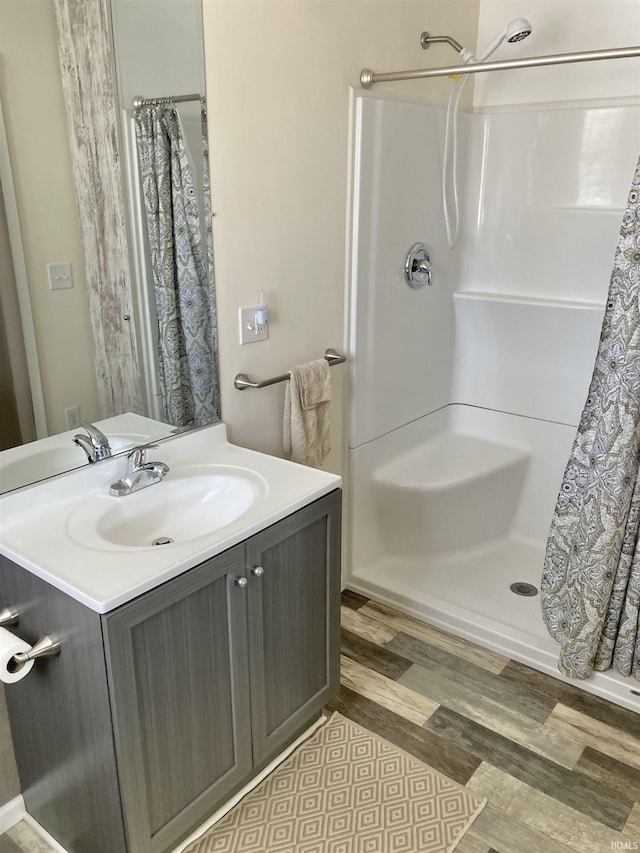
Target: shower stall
{"points": [[466, 393]]}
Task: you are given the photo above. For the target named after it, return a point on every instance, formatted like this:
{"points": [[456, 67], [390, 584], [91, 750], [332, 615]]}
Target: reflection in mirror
{"points": [[181, 251], [156, 47]]}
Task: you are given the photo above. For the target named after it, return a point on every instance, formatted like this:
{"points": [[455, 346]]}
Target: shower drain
{"points": [[162, 540], [522, 588]]}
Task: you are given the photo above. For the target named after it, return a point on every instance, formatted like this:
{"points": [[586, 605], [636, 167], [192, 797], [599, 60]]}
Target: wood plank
{"points": [[353, 599], [505, 833], [442, 755], [491, 661], [368, 629], [386, 692], [541, 812], [475, 679], [573, 697], [581, 793], [611, 774], [470, 843], [494, 715], [593, 733], [375, 657], [632, 826]]}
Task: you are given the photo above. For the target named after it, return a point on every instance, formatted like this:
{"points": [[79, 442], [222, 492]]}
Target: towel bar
{"points": [[242, 381]]}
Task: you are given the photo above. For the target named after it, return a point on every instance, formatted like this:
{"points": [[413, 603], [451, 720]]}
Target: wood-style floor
{"points": [[560, 768]]}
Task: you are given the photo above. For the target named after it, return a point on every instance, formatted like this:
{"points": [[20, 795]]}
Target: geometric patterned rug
{"points": [[346, 790]]}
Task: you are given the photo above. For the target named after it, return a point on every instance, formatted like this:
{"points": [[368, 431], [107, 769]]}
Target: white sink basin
{"points": [[189, 503]]}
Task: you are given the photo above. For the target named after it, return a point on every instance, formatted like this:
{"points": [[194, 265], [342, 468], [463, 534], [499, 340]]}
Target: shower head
{"points": [[515, 30], [518, 30]]}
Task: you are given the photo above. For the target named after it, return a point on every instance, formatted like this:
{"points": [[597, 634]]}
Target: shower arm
{"points": [[427, 39], [368, 77]]}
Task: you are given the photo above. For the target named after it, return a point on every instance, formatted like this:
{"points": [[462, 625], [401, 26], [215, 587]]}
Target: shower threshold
{"points": [[468, 594]]}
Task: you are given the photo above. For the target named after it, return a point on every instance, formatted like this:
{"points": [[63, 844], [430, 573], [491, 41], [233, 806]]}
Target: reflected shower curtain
{"points": [[182, 269], [591, 581]]}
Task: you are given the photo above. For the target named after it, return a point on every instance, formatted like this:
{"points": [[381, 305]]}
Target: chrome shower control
{"points": [[241, 582], [257, 571], [417, 266]]}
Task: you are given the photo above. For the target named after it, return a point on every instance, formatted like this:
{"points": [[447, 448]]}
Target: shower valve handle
{"points": [[417, 266]]}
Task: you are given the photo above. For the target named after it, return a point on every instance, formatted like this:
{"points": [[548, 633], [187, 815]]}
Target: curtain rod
{"points": [[139, 101], [368, 77]]}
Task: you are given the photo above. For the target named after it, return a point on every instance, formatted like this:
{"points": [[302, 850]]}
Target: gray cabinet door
{"points": [[178, 676], [294, 611]]}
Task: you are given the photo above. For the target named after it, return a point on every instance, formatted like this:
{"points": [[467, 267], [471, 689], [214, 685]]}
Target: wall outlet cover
{"points": [[60, 276], [72, 416], [250, 331]]}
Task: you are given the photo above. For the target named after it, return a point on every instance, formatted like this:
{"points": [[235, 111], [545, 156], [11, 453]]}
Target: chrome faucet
{"points": [[140, 473], [95, 443]]}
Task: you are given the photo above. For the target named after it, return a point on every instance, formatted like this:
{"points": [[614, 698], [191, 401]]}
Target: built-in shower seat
{"points": [[452, 492]]}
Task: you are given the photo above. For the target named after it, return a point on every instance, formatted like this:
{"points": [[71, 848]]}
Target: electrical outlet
{"points": [[72, 415], [250, 331]]}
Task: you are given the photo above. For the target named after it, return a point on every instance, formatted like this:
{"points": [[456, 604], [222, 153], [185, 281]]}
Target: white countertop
{"points": [[34, 521]]}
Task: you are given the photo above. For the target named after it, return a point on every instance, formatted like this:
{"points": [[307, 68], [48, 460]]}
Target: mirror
{"points": [[109, 316]]}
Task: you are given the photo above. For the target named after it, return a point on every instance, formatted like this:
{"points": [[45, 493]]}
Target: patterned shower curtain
{"points": [[591, 581], [182, 269]]}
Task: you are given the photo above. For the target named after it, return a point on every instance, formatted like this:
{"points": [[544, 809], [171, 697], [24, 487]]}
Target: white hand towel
{"points": [[305, 430]]}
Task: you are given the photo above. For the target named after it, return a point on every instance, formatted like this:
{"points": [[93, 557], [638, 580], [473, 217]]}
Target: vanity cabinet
{"points": [[156, 713]]}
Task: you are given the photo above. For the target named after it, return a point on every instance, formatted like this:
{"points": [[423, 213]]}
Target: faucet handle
{"points": [[98, 439], [137, 455], [93, 441]]}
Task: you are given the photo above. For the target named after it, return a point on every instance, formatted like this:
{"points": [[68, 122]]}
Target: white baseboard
{"points": [[11, 813]]}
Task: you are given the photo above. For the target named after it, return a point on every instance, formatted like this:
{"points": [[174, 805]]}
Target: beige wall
{"points": [[278, 80], [33, 107]]}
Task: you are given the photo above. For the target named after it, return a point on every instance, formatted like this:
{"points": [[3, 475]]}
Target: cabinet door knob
{"points": [[241, 582], [257, 571]]}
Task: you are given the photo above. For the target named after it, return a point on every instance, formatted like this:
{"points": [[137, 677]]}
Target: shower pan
{"points": [[465, 396]]}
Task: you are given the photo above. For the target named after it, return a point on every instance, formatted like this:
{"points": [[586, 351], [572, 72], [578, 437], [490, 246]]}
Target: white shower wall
{"points": [[402, 337], [512, 320], [490, 365], [546, 194]]}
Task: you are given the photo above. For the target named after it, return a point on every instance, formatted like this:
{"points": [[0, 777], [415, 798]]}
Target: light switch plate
{"points": [[249, 332], [60, 276]]}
